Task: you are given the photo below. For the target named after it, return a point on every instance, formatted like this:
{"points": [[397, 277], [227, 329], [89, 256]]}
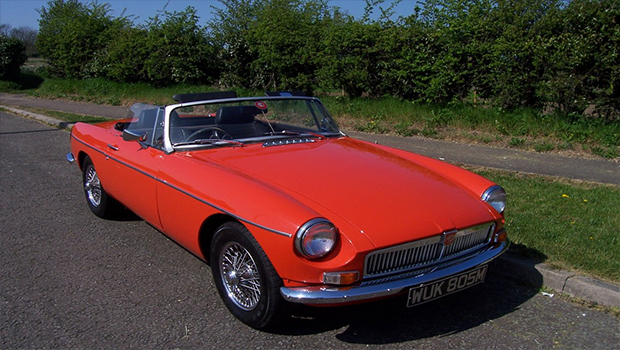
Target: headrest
{"points": [[236, 114]]}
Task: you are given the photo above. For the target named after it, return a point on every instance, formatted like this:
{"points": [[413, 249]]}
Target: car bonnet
{"points": [[390, 199]]}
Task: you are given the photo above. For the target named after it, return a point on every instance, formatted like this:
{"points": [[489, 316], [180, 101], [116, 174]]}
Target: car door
{"points": [[136, 165]]}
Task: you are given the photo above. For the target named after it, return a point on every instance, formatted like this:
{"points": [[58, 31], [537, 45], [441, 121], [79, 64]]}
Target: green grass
{"points": [[522, 128], [568, 224], [106, 92]]}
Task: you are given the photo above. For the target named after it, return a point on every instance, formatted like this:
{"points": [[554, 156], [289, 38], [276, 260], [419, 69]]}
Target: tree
{"points": [[286, 39], [178, 50], [513, 74], [12, 57], [28, 37], [72, 36], [126, 56], [351, 57], [578, 57], [230, 30]]}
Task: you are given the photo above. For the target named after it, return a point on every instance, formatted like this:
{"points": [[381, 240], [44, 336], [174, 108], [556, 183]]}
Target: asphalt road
{"points": [[70, 280]]}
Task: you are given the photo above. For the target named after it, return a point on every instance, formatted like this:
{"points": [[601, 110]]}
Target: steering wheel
{"points": [[216, 133]]}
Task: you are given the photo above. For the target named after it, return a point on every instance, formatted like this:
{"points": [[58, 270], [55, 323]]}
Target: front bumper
{"points": [[341, 295]]}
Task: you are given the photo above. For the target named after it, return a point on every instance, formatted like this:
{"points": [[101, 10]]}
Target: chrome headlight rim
{"points": [[312, 230], [495, 196]]}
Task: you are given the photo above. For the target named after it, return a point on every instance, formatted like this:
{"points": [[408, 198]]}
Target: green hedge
{"points": [[549, 54]]}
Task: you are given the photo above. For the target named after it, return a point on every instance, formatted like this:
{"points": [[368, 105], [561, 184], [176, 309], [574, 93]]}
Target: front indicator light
{"points": [[341, 278], [500, 237]]}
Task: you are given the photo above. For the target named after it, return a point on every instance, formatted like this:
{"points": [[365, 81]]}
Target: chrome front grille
{"points": [[467, 239], [426, 252]]}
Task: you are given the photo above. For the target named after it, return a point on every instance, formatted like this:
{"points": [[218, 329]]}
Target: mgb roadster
{"points": [[286, 208]]}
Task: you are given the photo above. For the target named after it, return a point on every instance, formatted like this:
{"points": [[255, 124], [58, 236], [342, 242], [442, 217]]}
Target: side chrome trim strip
{"points": [[289, 235], [225, 211], [109, 157], [325, 294]]}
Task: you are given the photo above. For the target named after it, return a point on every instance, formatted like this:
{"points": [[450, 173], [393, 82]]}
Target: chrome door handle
{"points": [[114, 148]]}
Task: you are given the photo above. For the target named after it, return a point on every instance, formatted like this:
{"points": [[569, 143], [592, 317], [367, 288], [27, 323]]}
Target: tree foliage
{"points": [[538, 53], [73, 35], [178, 50], [83, 41], [26, 35], [12, 56]]}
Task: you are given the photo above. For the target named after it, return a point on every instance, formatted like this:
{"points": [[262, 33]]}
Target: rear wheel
{"points": [[99, 202], [245, 278]]}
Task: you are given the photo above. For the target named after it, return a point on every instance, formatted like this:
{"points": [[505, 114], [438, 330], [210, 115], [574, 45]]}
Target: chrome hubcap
{"points": [[92, 186], [240, 276]]}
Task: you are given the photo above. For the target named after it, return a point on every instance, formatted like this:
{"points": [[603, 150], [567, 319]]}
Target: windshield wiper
{"points": [[209, 142], [294, 133]]}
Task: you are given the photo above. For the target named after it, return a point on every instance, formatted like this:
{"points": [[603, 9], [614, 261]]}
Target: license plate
{"points": [[437, 289]]}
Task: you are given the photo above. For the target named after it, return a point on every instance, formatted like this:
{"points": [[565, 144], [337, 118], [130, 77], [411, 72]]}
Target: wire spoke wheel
{"points": [[245, 278], [92, 186], [97, 198], [240, 276]]}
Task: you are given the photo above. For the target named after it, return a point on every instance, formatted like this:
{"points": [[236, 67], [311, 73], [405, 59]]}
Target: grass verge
{"points": [[65, 116], [568, 224], [522, 128]]}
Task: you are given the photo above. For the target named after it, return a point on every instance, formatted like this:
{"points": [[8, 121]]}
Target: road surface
{"points": [[70, 280]]}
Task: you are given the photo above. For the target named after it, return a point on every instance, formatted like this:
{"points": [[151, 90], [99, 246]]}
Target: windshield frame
{"points": [[169, 146]]}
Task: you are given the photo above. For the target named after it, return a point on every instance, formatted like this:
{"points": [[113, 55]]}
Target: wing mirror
{"points": [[129, 135]]}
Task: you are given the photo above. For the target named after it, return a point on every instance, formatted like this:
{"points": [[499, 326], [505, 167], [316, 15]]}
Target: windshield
{"points": [[146, 120], [239, 121]]}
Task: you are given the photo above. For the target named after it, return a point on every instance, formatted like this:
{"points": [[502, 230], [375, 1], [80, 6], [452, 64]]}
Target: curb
{"points": [[561, 281], [511, 266], [47, 120]]}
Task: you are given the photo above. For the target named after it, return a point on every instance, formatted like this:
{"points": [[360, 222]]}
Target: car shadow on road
{"points": [[390, 321], [125, 214]]}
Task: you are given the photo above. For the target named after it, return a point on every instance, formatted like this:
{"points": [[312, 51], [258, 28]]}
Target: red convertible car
{"points": [[286, 208]]}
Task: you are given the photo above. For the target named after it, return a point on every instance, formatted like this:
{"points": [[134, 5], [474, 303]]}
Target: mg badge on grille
{"points": [[449, 237]]}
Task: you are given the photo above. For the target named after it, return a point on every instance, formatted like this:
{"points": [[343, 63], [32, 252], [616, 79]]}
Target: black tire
{"points": [[99, 202], [245, 278]]}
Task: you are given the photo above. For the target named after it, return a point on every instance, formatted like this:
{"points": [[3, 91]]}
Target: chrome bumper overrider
{"points": [[70, 158], [339, 295]]}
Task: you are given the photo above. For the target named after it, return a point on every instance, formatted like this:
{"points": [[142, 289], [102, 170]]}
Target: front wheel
{"points": [[245, 278], [99, 202]]}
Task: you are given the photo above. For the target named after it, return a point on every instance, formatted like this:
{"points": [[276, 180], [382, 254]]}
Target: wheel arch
{"points": [[80, 159], [208, 229]]}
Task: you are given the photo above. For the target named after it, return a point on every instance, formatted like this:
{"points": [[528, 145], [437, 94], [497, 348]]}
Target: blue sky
{"points": [[23, 13]]}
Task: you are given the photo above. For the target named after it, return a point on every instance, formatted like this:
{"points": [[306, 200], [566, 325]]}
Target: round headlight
{"points": [[496, 197], [316, 238]]}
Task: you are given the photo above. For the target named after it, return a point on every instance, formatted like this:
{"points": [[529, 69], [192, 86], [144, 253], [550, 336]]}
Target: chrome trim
{"points": [[225, 211], [302, 231], [487, 194], [427, 252], [70, 158], [168, 148], [325, 294], [292, 141]]}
